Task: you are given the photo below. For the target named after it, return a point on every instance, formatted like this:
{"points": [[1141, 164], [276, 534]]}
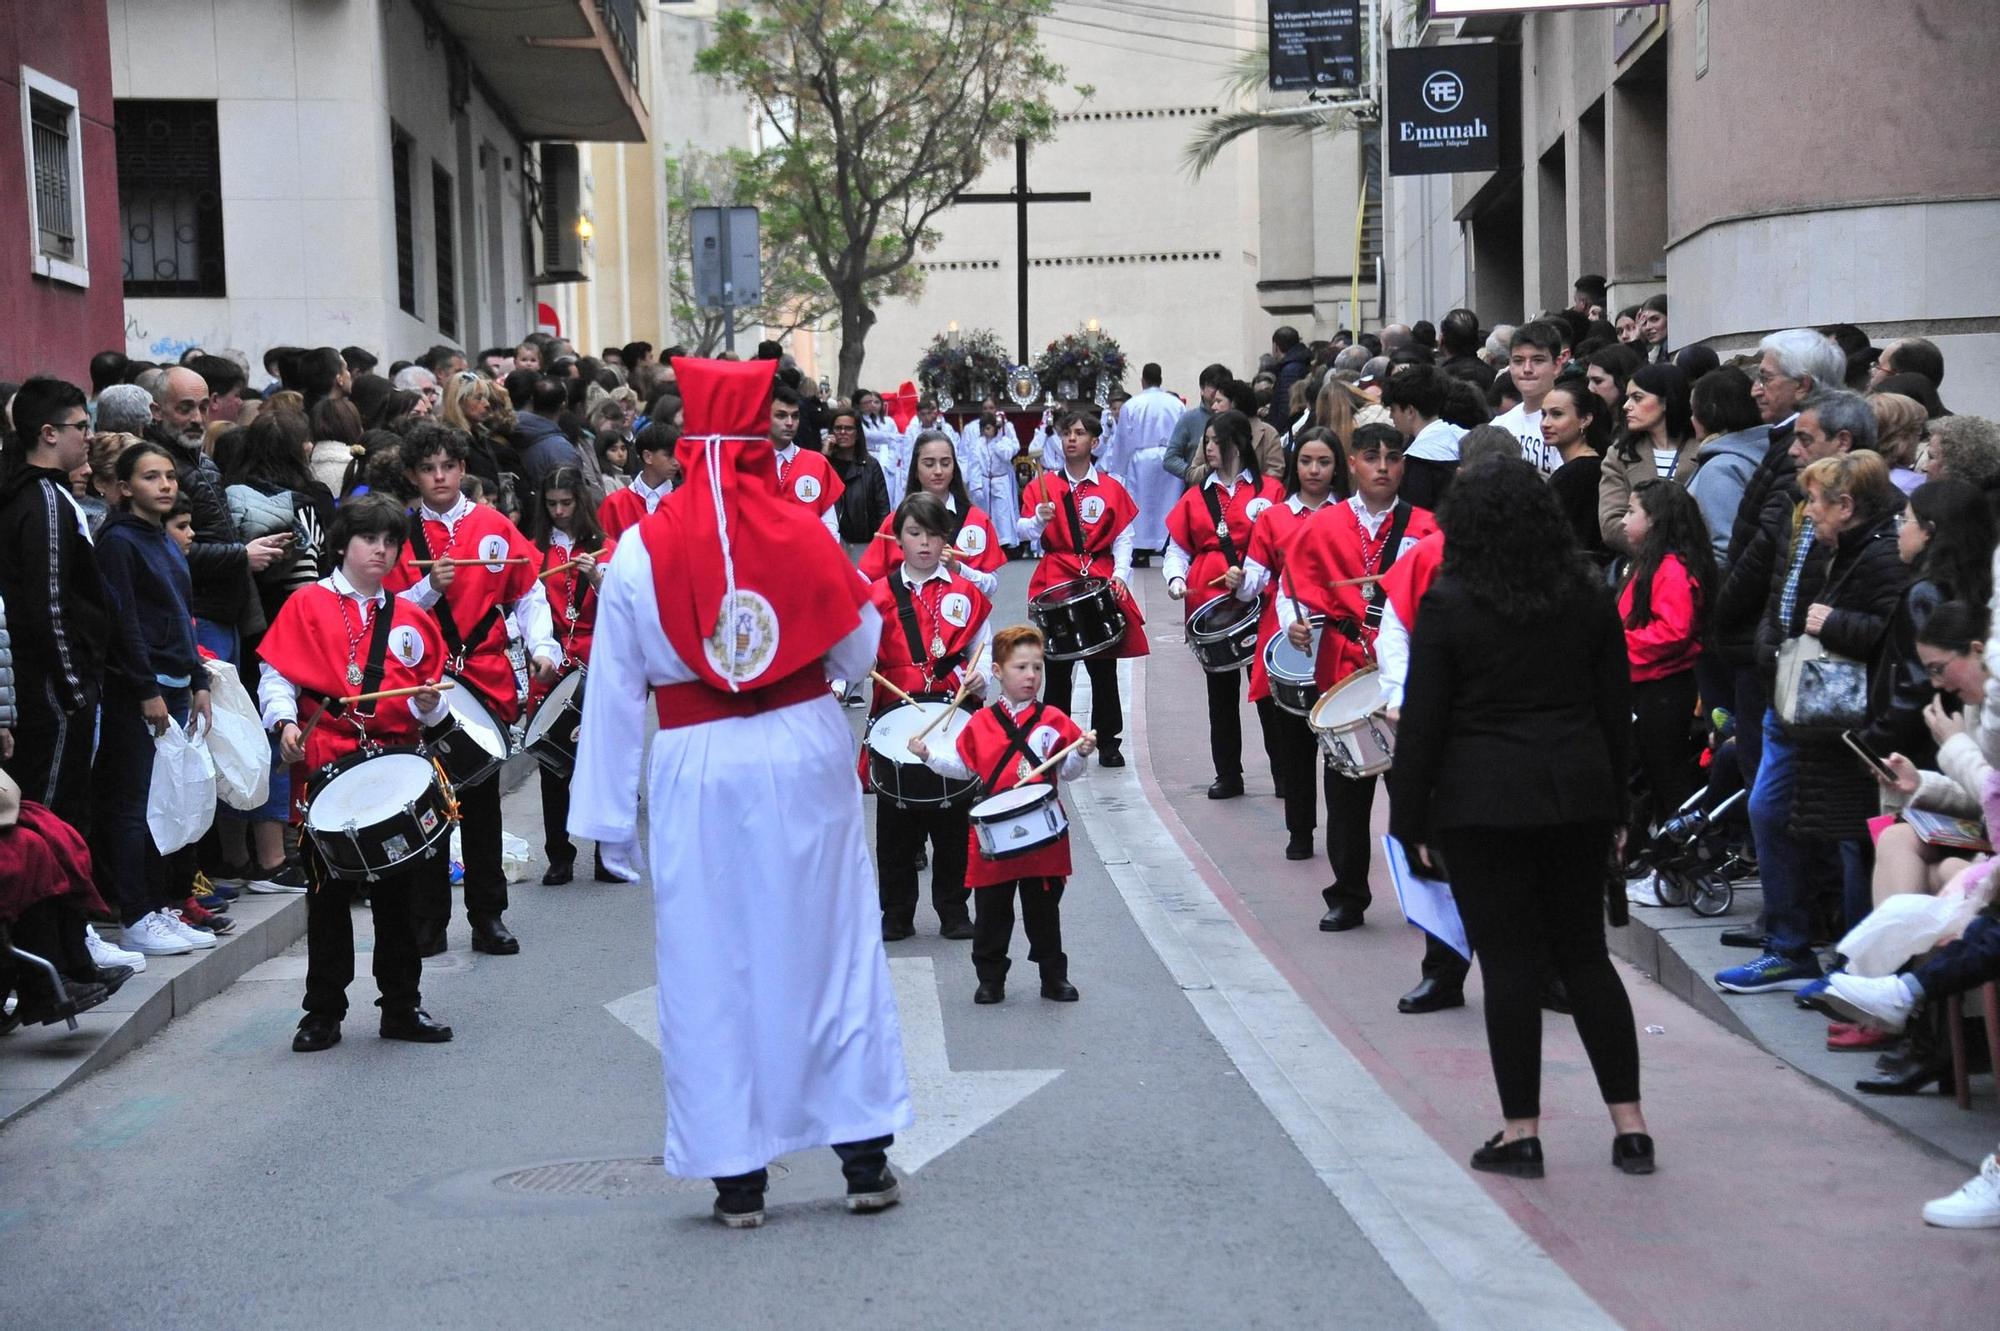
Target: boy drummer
{"points": [[934, 629], [340, 637], [1002, 746], [483, 568]]}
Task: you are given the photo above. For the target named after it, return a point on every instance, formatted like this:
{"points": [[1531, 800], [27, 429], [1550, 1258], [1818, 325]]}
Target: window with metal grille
{"points": [[406, 223], [54, 161], [170, 198], [446, 252]]}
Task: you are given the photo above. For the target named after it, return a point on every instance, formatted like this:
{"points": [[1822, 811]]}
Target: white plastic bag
{"points": [[1903, 927], [513, 857], [236, 741], [181, 803]]}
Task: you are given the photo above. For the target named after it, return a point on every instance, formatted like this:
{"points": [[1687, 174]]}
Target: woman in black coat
{"points": [[863, 505], [1511, 757]]}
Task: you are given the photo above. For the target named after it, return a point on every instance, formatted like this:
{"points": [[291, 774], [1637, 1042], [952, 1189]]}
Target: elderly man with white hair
{"points": [[416, 379], [124, 409]]}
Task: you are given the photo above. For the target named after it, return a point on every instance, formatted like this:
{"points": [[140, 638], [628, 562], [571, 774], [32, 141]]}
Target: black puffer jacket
{"points": [[217, 560], [1898, 687], [1758, 540], [863, 505]]}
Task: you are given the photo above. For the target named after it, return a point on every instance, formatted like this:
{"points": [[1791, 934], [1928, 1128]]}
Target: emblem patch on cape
{"points": [[806, 488], [956, 609], [493, 549], [1044, 740], [406, 644], [972, 539], [745, 641], [1255, 508], [1091, 509]]}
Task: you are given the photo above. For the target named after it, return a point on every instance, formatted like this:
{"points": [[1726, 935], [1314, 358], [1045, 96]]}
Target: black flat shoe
{"points": [[1062, 991], [1750, 938], [989, 991], [1521, 1158], [315, 1034], [1431, 996], [1111, 757], [1632, 1152], [111, 977], [415, 1026], [895, 931], [1341, 918], [558, 874], [1225, 788], [490, 935], [430, 940], [1299, 848], [958, 930]]}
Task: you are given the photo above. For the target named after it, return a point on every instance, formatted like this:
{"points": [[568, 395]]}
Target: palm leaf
{"points": [[1218, 132]]}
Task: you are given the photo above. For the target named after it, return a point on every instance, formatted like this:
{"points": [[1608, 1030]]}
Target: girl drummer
{"points": [[1317, 474], [1083, 518], [1208, 531], [972, 548], [1003, 746], [574, 554], [934, 630]]}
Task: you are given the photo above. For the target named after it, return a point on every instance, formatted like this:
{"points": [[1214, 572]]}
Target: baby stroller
{"points": [[1691, 855]]}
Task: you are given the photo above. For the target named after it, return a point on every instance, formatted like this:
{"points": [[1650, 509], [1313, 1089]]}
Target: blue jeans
{"points": [[1787, 863], [220, 638]]}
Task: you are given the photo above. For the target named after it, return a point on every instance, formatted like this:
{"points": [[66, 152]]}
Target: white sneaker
{"points": [[1644, 890], [187, 933], [105, 954], [1881, 1002], [1974, 1206], [153, 936]]}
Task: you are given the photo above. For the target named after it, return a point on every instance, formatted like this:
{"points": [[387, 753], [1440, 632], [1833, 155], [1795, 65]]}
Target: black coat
{"points": [[864, 505], [1511, 724], [1898, 686], [1757, 539]]}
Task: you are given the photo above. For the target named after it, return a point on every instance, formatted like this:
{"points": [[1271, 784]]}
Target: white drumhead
{"points": [[1010, 801], [370, 790], [1350, 700], [552, 706], [891, 732], [483, 726]]}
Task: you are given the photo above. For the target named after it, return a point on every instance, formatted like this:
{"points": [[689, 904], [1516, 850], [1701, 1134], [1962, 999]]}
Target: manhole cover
{"points": [[608, 1179]]}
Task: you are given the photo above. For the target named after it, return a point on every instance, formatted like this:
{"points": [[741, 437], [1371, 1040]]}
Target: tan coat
{"points": [[1618, 479]]}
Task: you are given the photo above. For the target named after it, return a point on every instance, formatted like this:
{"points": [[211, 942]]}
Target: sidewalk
{"points": [[1770, 1185]]}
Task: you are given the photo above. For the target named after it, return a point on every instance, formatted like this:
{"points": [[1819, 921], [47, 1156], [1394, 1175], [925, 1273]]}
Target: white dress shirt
{"points": [[1030, 528], [915, 581], [944, 759], [278, 697], [1175, 564], [530, 611]]}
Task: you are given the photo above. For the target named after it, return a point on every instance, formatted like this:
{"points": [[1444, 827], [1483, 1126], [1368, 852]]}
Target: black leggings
{"points": [[1533, 902], [1107, 712], [1663, 712]]}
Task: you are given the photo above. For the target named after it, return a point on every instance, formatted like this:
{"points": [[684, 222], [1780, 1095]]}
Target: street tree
{"points": [[876, 114], [794, 293]]}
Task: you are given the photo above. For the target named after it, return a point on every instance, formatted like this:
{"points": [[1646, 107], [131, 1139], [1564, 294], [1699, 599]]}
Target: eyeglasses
{"points": [[1763, 376], [83, 425]]}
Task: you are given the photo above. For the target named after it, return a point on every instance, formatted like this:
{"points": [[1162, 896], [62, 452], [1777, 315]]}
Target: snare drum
{"points": [[899, 775], [1079, 618], [1017, 821], [372, 812], [1352, 724], [555, 723], [1223, 634], [1291, 670], [471, 743]]}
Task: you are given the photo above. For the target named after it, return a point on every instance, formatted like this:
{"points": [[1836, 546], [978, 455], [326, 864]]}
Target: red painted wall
{"points": [[48, 325]]}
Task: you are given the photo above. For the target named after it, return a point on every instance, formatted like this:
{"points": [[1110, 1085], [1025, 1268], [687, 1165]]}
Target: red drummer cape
{"points": [[975, 540], [1270, 542], [1104, 508], [946, 617], [752, 589], [981, 746], [1194, 530], [311, 644], [1333, 548], [479, 593]]}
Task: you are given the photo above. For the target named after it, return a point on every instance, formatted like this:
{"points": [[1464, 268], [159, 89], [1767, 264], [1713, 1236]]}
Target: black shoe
{"points": [[1059, 991], [1632, 1152], [1341, 918], [958, 930], [1522, 1157], [1110, 756], [1299, 848], [490, 935], [1555, 998], [1750, 938], [316, 1033], [39, 1007], [989, 991], [740, 1208], [415, 1026], [1911, 1079], [873, 1194], [430, 938], [111, 977], [558, 874], [1431, 996], [895, 931], [1225, 788]]}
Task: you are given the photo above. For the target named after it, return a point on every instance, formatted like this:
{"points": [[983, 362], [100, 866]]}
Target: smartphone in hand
{"points": [[1868, 755]]}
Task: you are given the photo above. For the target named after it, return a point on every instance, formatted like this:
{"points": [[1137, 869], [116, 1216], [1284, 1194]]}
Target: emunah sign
{"points": [[1443, 110]]}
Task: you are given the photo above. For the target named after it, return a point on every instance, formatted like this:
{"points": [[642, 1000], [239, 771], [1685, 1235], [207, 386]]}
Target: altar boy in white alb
{"points": [[727, 611]]}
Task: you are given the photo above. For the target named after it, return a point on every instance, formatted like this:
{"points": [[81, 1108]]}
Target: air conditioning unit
{"points": [[561, 205]]}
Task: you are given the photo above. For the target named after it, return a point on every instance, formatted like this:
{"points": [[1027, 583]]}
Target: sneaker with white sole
{"points": [[1976, 1205], [285, 879], [1882, 1003], [153, 936], [105, 955], [187, 933], [1644, 890]]}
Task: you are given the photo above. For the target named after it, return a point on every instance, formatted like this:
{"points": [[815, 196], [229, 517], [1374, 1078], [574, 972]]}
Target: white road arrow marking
{"points": [[950, 1106]]}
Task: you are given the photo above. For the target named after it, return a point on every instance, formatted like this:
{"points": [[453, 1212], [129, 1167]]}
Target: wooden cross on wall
{"points": [[1020, 197]]}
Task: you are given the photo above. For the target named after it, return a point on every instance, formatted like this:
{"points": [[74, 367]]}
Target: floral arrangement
{"points": [[964, 367], [1089, 358]]}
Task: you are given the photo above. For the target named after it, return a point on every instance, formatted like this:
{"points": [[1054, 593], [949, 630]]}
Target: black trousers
{"points": [[1663, 716], [1350, 804], [1107, 712], [860, 1162], [1443, 964], [1295, 762], [53, 931], [1225, 722], [479, 845], [330, 938], [1041, 920], [1533, 902], [899, 835], [51, 762], [555, 819]]}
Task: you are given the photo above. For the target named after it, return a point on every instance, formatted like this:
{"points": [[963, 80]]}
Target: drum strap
{"points": [[1398, 524], [1017, 742], [913, 634], [461, 647], [1075, 524], [372, 672], [1214, 502]]}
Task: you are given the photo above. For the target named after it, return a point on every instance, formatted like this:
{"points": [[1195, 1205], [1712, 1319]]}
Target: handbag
{"points": [[1819, 691]]}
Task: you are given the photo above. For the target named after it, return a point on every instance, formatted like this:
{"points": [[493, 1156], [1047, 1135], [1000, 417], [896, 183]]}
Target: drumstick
{"points": [[1053, 759], [457, 563], [964, 687], [1219, 580], [442, 686], [311, 725], [559, 568], [1359, 582], [876, 675]]}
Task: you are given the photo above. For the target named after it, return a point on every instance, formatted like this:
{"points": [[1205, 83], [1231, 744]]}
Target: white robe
{"points": [[989, 476], [891, 449], [1144, 426], [778, 1026]]}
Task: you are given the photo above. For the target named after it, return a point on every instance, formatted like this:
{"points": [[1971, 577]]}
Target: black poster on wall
{"points": [[1443, 110], [1315, 44]]}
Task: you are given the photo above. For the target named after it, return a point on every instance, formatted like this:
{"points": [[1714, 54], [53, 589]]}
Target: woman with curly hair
{"points": [[1511, 756]]}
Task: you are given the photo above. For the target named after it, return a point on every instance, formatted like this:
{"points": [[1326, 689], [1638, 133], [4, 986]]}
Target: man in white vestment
{"points": [[1144, 427]]}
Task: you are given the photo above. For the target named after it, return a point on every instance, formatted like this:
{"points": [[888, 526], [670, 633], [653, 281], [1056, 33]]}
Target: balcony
{"points": [[562, 69]]}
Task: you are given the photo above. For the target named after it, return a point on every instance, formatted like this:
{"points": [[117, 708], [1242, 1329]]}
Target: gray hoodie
{"points": [[1726, 463]]}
